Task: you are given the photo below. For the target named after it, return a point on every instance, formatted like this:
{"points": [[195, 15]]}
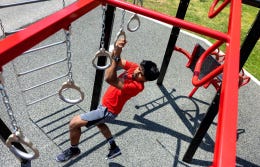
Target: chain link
{"points": [[8, 107], [122, 20], [68, 46], [63, 3], [69, 52], [104, 8], [3, 30]]}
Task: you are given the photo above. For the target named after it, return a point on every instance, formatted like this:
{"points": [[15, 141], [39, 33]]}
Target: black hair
{"points": [[151, 71]]}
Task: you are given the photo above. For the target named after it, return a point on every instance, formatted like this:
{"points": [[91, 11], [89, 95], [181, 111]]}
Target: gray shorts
{"points": [[100, 115]]}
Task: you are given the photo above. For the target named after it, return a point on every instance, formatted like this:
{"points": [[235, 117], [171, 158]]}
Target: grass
{"points": [[198, 13]]}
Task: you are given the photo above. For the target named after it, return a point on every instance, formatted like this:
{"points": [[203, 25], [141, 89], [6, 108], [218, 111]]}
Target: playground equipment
{"points": [[207, 64], [225, 101], [69, 84], [134, 18], [17, 135], [102, 51]]}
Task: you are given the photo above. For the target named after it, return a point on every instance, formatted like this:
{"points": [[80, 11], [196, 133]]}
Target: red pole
{"points": [[169, 20], [16, 44], [225, 147]]}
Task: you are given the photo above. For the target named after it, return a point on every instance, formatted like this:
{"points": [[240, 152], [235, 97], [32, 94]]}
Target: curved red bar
{"points": [[212, 12], [183, 51], [195, 79]]}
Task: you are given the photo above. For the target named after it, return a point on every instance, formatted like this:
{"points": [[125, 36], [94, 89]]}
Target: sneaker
{"points": [[67, 154], [113, 153]]}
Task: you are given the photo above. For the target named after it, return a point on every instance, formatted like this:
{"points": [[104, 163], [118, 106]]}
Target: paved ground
{"points": [[155, 127]]}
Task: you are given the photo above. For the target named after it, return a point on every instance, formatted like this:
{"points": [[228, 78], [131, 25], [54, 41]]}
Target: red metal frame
{"points": [[195, 79], [225, 147], [212, 12], [14, 45], [212, 77]]}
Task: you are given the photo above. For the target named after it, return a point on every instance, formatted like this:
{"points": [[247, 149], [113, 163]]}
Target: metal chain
{"points": [[123, 19], [63, 3], [68, 46], [8, 106], [104, 8], [2, 28], [69, 53]]}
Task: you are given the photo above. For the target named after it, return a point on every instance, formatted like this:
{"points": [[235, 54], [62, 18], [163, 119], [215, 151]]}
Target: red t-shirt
{"points": [[114, 98]]}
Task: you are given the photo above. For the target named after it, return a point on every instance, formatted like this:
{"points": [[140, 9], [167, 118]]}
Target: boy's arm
{"points": [[111, 72]]}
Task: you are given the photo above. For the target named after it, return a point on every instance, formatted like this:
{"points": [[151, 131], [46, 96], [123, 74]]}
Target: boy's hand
{"points": [[121, 43]]}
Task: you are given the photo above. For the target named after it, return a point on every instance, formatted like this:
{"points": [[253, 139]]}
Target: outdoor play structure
{"points": [[224, 70]]}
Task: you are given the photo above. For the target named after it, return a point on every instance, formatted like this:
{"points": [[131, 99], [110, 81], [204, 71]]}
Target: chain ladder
{"points": [[102, 51], [17, 135]]}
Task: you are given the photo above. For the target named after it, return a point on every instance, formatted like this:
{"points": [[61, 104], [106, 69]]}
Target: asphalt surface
{"points": [[154, 128]]}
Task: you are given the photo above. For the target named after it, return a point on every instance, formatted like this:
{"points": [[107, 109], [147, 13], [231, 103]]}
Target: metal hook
{"points": [[18, 137], [100, 53], [70, 85]]}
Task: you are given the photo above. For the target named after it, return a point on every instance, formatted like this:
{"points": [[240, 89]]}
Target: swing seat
{"points": [[210, 63]]}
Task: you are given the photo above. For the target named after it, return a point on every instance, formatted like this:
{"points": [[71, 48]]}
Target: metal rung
{"points": [[36, 101], [12, 32], [43, 47], [20, 3], [43, 83], [47, 65]]}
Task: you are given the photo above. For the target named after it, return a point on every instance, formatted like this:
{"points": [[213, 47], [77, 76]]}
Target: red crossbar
{"points": [[14, 45], [170, 20]]}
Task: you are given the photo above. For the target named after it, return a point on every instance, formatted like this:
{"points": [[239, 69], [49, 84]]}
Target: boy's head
{"points": [[150, 70]]}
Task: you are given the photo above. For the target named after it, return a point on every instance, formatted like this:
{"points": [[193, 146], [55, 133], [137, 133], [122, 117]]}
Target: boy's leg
{"points": [[75, 129], [114, 149], [103, 128], [75, 132]]}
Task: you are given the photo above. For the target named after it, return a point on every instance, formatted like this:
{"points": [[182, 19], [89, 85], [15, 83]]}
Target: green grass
{"points": [[198, 13]]}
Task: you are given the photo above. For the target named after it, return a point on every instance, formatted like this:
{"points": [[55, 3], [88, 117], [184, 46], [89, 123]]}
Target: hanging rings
{"points": [[71, 85], [134, 18], [18, 137], [100, 53], [119, 35]]}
